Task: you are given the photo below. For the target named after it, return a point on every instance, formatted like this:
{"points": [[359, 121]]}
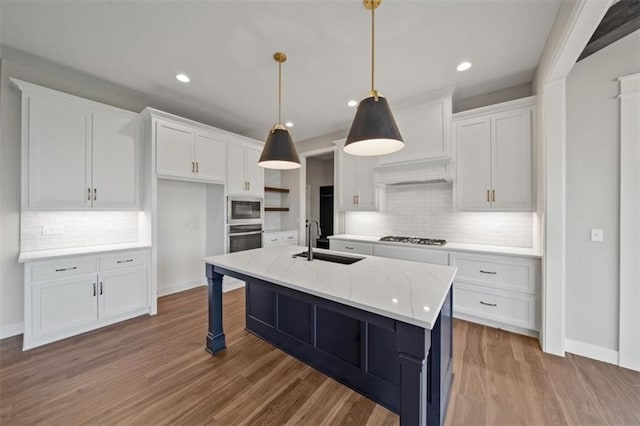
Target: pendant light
{"points": [[374, 130], [279, 151]]}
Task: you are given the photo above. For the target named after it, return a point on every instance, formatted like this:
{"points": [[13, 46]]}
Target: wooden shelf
{"points": [[272, 189], [276, 209]]}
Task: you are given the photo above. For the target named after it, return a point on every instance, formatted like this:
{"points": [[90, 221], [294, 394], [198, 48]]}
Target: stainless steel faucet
{"points": [[310, 248]]}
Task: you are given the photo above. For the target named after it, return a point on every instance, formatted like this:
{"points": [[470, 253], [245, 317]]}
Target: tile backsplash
{"points": [[427, 211], [65, 229]]}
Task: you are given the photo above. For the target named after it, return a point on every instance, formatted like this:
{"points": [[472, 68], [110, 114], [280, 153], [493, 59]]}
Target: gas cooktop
{"points": [[413, 240]]}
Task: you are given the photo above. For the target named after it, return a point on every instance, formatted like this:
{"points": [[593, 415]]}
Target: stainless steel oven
{"points": [[243, 211], [244, 237]]}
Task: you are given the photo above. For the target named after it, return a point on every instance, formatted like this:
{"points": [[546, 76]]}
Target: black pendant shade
{"points": [[374, 130], [279, 151]]}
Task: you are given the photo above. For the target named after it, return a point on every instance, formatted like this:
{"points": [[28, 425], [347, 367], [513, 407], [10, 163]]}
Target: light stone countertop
{"points": [[449, 246], [26, 256], [411, 292]]}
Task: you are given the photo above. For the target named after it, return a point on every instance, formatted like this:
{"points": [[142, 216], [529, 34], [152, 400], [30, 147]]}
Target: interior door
{"points": [[210, 158], [473, 157], [175, 146], [122, 292], [116, 161], [59, 154], [511, 160]]}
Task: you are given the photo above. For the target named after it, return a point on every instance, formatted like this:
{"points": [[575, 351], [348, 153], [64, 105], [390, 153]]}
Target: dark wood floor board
{"points": [[154, 370]]}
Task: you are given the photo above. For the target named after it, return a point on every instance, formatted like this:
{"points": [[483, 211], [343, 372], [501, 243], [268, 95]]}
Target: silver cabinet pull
{"points": [[193, 167], [66, 269], [197, 167], [493, 195], [249, 186], [274, 240], [488, 272], [348, 248], [124, 261], [94, 289], [488, 304], [88, 194], [488, 196], [95, 194], [100, 288]]}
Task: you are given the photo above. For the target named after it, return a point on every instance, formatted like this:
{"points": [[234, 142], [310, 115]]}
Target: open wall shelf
{"points": [[273, 189], [276, 209]]}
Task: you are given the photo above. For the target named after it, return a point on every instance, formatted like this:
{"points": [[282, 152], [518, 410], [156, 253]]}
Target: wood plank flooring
{"points": [[154, 370]]}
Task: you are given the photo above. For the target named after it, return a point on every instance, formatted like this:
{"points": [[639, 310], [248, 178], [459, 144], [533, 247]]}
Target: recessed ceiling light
{"points": [[394, 300], [464, 66], [352, 103], [288, 124], [183, 78]]}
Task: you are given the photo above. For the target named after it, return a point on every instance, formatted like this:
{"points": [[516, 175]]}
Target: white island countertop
{"points": [[407, 291]]}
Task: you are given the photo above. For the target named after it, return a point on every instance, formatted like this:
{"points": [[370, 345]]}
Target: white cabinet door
{"points": [[210, 158], [473, 154], [64, 305], [59, 154], [271, 239], [236, 182], [122, 292], [423, 131], [351, 247], [511, 160], [346, 185], [116, 161], [365, 189], [175, 146], [254, 173]]}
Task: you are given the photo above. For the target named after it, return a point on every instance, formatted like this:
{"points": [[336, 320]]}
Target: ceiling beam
{"points": [[621, 19]]}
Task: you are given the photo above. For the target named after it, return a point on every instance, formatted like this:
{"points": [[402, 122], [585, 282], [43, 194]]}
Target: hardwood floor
{"points": [[154, 370]]}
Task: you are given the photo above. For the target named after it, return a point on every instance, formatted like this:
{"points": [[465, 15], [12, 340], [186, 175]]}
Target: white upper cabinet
{"points": [[355, 187], [77, 154], [494, 157], [424, 129], [116, 161], [188, 153], [244, 176]]}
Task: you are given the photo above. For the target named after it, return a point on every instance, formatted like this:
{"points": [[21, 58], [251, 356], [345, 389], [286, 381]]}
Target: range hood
{"points": [[421, 171]]}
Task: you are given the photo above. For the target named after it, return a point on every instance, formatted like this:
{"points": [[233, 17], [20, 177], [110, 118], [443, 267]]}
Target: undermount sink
{"points": [[345, 260]]}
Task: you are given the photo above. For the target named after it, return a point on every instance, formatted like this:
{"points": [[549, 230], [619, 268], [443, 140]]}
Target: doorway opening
{"points": [[317, 197]]}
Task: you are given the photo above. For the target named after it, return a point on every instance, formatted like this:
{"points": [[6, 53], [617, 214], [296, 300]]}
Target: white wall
{"points": [[593, 149], [182, 235]]}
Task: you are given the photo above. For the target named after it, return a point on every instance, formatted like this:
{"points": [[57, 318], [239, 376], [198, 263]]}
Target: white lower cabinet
{"points": [[351, 247], [73, 295], [499, 291], [289, 238]]}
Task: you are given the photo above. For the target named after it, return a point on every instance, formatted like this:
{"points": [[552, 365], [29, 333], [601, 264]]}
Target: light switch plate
{"points": [[597, 235]]}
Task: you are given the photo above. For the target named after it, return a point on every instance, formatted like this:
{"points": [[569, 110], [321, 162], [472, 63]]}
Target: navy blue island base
{"points": [[405, 368]]}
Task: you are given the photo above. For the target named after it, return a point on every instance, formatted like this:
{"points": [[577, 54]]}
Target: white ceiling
{"points": [[226, 48]]}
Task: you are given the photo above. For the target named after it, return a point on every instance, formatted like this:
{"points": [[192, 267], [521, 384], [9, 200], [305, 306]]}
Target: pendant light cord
{"points": [[279, 92], [373, 49]]}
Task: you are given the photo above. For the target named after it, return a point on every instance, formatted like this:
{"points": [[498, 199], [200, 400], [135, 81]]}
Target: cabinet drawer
{"points": [[63, 268], [414, 254], [351, 247], [513, 310], [271, 240], [499, 272], [290, 238], [127, 259]]}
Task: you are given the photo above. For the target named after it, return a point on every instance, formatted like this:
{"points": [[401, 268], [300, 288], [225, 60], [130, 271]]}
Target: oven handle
{"points": [[239, 234]]}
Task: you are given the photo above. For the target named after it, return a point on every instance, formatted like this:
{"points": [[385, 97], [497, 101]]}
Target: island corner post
{"points": [[406, 368]]}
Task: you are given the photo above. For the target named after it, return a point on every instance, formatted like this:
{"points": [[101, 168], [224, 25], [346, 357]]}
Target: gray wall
{"points": [[593, 168]]}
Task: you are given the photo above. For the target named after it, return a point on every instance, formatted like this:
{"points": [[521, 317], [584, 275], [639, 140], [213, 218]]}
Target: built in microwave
{"points": [[244, 211]]}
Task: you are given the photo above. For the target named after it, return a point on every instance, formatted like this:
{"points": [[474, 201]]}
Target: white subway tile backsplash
{"points": [[427, 211], [81, 228]]}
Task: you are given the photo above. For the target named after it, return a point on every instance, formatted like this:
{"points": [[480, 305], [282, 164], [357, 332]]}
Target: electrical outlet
{"points": [[597, 235], [52, 229]]}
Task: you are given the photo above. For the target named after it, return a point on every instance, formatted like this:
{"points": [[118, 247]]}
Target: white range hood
{"points": [[421, 171]]}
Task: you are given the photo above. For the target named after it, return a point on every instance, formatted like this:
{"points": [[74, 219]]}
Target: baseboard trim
{"points": [[495, 324], [11, 330], [177, 288], [591, 351]]}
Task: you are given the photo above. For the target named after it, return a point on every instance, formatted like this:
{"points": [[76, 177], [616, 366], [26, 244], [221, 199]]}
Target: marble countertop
{"points": [[450, 246], [26, 256], [411, 292]]}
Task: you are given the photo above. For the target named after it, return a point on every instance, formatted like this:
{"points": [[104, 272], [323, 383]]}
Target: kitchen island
{"points": [[381, 326]]}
